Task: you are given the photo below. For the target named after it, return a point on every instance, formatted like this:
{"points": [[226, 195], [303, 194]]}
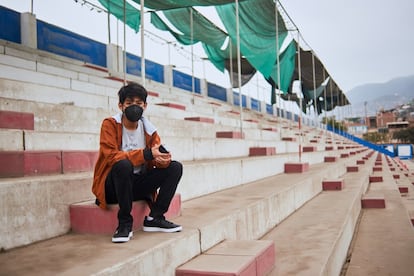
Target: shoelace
{"points": [[164, 221]]}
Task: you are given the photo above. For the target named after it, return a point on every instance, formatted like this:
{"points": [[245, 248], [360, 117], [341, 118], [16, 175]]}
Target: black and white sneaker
{"points": [[122, 234], [160, 225]]}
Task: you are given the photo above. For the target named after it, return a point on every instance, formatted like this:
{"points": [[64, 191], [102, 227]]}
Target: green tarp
{"points": [[287, 67], [257, 37], [175, 4], [204, 31], [257, 29], [117, 8]]}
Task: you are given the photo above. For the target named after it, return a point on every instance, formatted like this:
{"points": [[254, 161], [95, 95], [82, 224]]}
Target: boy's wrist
{"points": [[148, 154]]}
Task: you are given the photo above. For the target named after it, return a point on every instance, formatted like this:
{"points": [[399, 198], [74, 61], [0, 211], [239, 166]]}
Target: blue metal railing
{"points": [[361, 141]]}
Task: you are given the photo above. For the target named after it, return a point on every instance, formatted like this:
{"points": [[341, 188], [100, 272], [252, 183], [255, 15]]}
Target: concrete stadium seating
{"points": [[236, 200]]}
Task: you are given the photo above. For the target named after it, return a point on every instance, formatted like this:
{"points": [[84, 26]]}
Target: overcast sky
{"points": [[358, 41]]}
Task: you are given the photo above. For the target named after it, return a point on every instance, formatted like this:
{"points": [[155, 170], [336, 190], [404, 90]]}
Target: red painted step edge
{"points": [[296, 167], [16, 120], [229, 134], [262, 151], [172, 105], [87, 217], [30, 163], [332, 185], [200, 119]]}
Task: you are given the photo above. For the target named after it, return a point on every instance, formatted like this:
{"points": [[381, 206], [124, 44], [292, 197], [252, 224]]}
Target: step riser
{"points": [[252, 169], [58, 92], [43, 162], [11, 140], [42, 203], [299, 257], [233, 172], [340, 251], [44, 200], [62, 117], [32, 163], [90, 219], [172, 255], [16, 120], [233, 257], [257, 219]]}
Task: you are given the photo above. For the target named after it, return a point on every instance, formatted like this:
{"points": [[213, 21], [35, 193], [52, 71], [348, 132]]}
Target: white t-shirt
{"points": [[134, 139]]}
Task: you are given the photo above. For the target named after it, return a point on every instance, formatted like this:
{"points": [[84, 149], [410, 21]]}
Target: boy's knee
{"points": [[123, 165], [176, 167]]}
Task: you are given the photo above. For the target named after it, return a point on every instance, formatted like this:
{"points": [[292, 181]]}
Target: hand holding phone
{"points": [[163, 149]]}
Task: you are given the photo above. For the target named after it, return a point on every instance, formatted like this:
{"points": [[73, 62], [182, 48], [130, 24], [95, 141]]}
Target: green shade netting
{"points": [[257, 29], [211, 37], [312, 75], [312, 69], [204, 31], [333, 90], [116, 8], [313, 96], [174, 4], [287, 67], [261, 45]]}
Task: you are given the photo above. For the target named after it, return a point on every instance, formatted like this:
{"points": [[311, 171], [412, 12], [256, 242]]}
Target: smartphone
{"points": [[163, 149]]}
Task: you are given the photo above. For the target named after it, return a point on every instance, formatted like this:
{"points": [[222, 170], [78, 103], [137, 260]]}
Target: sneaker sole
{"points": [[165, 230], [122, 239]]}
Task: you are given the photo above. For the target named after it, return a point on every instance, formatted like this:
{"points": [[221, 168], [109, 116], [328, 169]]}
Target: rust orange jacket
{"points": [[110, 152]]}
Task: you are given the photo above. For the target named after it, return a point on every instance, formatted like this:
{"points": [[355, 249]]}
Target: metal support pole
{"points": [[142, 44], [314, 89], [192, 52], [277, 56], [239, 67], [124, 53], [300, 101]]}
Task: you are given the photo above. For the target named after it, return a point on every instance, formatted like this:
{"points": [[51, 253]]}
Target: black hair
{"points": [[132, 90]]}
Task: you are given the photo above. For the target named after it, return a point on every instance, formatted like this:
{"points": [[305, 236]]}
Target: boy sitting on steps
{"points": [[132, 165]]}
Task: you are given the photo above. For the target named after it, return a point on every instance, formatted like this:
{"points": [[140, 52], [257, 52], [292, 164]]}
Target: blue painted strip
{"points": [[236, 100], [184, 81], [217, 92], [10, 25], [361, 141], [255, 104], [153, 70], [62, 42]]}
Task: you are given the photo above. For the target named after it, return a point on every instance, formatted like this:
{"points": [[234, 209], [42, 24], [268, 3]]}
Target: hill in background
{"points": [[379, 96]]}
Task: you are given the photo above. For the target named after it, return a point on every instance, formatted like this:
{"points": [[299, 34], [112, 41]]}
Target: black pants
{"points": [[123, 187]]}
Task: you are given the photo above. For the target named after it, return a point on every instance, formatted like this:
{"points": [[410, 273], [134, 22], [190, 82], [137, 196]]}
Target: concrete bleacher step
{"points": [[407, 181], [84, 86], [314, 240], [373, 200], [222, 184], [232, 257], [87, 217], [47, 63], [28, 155], [16, 120], [36, 208], [333, 184], [96, 90], [32, 163], [49, 197], [245, 212], [384, 242]]}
